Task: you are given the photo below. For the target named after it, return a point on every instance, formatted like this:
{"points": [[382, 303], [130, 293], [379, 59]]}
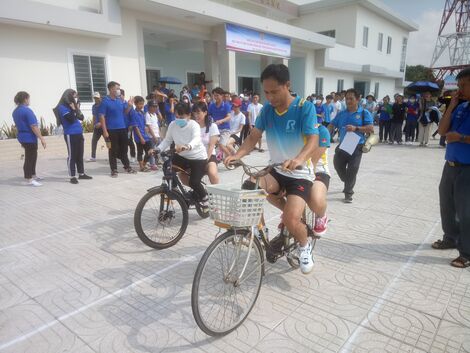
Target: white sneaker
{"points": [[91, 159], [34, 183], [306, 258]]}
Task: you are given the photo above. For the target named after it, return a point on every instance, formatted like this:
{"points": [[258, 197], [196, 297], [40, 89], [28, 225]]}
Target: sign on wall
{"points": [[251, 41]]}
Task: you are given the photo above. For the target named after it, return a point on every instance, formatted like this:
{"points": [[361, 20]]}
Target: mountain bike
{"points": [[161, 216], [228, 278]]}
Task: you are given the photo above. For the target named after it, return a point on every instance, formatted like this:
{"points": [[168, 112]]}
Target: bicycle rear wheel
{"points": [[220, 300], [161, 218]]}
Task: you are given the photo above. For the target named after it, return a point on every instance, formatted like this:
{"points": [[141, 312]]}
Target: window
{"points": [[365, 37], [340, 86], [192, 78], [153, 76], [319, 85], [381, 42], [376, 90], [90, 76], [403, 55], [389, 45], [330, 33]]}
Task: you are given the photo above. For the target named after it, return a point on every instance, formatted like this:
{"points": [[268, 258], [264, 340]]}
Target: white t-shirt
{"points": [[190, 134], [152, 121], [336, 109], [254, 110], [206, 136], [235, 121]]}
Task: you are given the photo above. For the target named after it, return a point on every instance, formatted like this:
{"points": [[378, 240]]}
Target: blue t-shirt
{"points": [[70, 128], [385, 112], [319, 110], [324, 136], [412, 114], [95, 110], [219, 113], [169, 116], [328, 109], [113, 111], [285, 133], [347, 118], [138, 120], [24, 117], [459, 151]]}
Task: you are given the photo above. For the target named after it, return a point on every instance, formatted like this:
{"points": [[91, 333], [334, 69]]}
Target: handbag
{"points": [[371, 139]]}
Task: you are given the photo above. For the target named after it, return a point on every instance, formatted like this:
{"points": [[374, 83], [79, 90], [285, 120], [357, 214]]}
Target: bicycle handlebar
{"points": [[254, 172]]}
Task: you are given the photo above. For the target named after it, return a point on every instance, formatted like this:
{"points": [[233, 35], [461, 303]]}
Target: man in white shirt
{"points": [[237, 122], [152, 119], [254, 108]]}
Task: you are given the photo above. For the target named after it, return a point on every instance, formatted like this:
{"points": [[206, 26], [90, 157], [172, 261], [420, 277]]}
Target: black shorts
{"points": [[212, 158], [323, 178], [293, 186], [237, 139]]}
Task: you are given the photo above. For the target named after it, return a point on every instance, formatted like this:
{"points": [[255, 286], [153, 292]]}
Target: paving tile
{"points": [[451, 338]]}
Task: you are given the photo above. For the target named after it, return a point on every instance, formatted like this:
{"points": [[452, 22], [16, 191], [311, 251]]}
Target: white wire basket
{"points": [[239, 208]]}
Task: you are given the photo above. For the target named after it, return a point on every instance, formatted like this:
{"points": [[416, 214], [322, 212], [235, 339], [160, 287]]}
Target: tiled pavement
{"points": [[74, 277]]}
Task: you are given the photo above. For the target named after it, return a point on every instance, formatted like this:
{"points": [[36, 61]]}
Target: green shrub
{"points": [[87, 126], [10, 131]]}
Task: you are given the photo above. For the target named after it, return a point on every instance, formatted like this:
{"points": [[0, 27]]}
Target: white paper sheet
{"points": [[350, 142]]}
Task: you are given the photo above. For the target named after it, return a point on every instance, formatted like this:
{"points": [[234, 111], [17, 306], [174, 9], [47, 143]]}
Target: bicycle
{"points": [[220, 155], [228, 278], [161, 216]]}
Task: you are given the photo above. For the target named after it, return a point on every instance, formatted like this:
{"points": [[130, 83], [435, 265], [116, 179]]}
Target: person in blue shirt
{"points": [[319, 109], [219, 111], [385, 119], [28, 134], [454, 188], [97, 130], [170, 111], [354, 119], [143, 140], [68, 111], [113, 111], [292, 137], [412, 114], [328, 108]]}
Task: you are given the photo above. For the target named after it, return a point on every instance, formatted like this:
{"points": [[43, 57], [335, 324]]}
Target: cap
{"points": [[237, 102], [152, 103], [96, 95]]}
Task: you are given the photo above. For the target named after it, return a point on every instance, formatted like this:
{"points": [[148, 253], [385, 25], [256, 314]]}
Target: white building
{"points": [[47, 46]]}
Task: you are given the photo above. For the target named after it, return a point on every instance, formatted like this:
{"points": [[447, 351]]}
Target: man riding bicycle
{"points": [[292, 136]]}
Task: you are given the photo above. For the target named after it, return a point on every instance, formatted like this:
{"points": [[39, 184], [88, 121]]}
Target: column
{"points": [[309, 72], [211, 64], [228, 72]]}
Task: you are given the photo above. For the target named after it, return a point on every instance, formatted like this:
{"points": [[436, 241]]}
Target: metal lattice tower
{"points": [[455, 44]]}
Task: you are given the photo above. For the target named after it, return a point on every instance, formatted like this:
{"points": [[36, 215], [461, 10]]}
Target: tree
{"points": [[418, 73]]}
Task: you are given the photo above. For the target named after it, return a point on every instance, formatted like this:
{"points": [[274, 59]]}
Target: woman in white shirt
{"points": [[190, 151]]}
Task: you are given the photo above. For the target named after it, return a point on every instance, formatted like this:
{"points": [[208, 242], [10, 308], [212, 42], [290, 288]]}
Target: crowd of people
{"points": [[299, 132]]}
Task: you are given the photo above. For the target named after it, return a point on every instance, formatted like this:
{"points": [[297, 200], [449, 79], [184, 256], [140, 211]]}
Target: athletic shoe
{"points": [[33, 182], [37, 178], [85, 177], [321, 225], [91, 159], [348, 198], [130, 170], [114, 174], [73, 180], [306, 258]]}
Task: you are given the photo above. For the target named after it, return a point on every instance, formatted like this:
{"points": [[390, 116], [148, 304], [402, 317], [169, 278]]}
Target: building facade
{"points": [[47, 46]]}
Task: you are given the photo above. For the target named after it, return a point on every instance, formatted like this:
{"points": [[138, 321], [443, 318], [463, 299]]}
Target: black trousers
{"points": [[245, 132], [198, 170], [410, 129], [75, 148], [97, 133], [454, 202], [141, 148], [384, 129], [130, 141], [30, 159], [396, 132], [347, 167], [118, 148]]}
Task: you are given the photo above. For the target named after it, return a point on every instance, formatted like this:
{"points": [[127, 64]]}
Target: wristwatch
{"points": [[462, 138]]}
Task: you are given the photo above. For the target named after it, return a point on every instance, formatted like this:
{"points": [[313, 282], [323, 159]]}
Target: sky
{"points": [[427, 14]]}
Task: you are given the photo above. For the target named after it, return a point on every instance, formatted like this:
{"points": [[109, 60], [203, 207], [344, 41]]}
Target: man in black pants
{"points": [[354, 119], [97, 130], [113, 111], [454, 189]]}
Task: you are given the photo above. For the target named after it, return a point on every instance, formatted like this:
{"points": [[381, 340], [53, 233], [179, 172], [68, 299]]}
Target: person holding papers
{"points": [[352, 124]]}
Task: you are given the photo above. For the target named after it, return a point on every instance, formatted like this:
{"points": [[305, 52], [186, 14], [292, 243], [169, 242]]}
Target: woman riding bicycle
{"points": [[210, 137], [190, 151]]}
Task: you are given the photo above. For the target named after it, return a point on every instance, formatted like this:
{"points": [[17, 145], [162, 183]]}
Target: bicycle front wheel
{"points": [[161, 218], [221, 296]]}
